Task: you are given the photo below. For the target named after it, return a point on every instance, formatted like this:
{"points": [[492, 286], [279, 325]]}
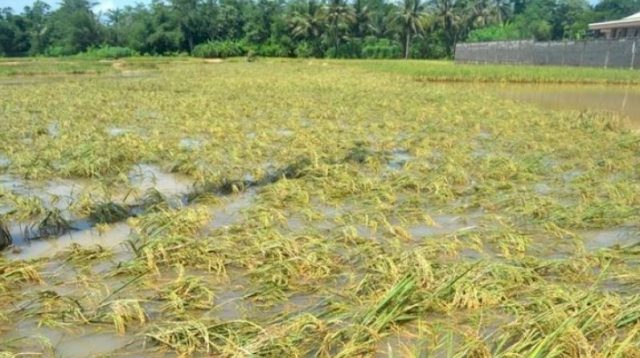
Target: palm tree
{"points": [[306, 23], [411, 18], [339, 16], [490, 12], [114, 20], [484, 13], [504, 10], [456, 17], [362, 15]]}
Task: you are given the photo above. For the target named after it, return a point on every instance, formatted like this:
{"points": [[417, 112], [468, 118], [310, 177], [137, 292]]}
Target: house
{"points": [[629, 27]]}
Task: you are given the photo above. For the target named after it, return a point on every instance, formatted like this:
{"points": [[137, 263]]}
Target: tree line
{"points": [[295, 28]]}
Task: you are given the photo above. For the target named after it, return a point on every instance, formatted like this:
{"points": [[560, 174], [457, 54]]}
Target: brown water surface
{"points": [[621, 100]]}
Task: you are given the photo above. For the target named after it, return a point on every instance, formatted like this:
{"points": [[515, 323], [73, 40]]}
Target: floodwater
{"points": [[145, 176], [61, 194], [113, 236], [54, 194], [621, 100], [611, 238], [72, 344], [443, 224], [230, 213]]}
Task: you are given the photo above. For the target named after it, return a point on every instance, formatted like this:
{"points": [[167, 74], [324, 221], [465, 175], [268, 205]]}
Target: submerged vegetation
{"points": [[312, 208]]}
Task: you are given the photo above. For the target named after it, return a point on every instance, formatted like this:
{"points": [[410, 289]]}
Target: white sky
{"points": [[104, 5]]}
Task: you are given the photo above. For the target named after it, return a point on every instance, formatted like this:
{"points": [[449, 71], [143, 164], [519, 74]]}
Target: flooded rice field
{"points": [[309, 209], [621, 100]]}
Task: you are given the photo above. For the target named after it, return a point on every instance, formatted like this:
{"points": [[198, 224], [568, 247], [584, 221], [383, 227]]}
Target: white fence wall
{"points": [[589, 53]]}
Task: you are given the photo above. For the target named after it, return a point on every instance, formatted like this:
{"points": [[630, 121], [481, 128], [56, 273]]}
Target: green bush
{"points": [[220, 49], [108, 52], [304, 50], [272, 50], [495, 33], [381, 48], [57, 51]]}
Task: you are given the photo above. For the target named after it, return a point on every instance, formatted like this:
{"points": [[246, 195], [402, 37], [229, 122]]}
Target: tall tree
{"points": [[339, 17], [336, 28], [361, 17], [14, 36], [616, 9], [455, 17], [75, 26], [39, 29], [188, 18], [410, 17]]}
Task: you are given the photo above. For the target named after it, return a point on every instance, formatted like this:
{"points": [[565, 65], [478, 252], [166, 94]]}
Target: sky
{"points": [[103, 6]]}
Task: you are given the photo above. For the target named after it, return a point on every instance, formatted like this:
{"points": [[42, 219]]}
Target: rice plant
{"points": [[316, 208]]}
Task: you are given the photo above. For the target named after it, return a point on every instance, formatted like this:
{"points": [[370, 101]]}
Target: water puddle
{"points": [[53, 129], [444, 224], [610, 238], [621, 100], [542, 189], [235, 304], [116, 132], [4, 161], [28, 337], [24, 249], [145, 176], [54, 194], [285, 132], [190, 143], [398, 159], [231, 211]]}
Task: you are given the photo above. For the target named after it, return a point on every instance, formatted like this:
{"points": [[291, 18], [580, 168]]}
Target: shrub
{"points": [[57, 51], [219, 49], [108, 52], [272, 50], [303, 50], [495, 33], [381, 48]]}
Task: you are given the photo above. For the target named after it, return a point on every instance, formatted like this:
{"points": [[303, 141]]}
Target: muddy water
{"points": [[30, 337], [231, 211], [622, 100], [113, 236], [54, 194], [611, 238], [144, 177], [61, 194]]}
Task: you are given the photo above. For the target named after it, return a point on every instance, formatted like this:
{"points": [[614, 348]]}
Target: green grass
{"points": [[77, 65], [447, 71], [422, 70]]}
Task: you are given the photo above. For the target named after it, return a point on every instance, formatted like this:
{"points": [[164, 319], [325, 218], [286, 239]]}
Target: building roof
{"points": [[629, 21]]}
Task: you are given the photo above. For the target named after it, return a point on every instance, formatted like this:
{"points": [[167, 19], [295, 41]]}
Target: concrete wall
{"points": [[590, 53]]}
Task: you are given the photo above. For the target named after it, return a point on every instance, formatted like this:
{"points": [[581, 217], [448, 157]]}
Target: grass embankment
{"points": [[385, 217], [422, 70], [447, 71], [43, 66]]}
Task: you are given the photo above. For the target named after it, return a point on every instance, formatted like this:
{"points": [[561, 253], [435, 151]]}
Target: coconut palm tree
{"points": [[504, 10], [362, 15], [411, 19], [306, 22], [339, 17], [455, 17]]}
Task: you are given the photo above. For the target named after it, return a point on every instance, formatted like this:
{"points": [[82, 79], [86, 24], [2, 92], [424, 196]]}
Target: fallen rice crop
{"points": [[312, 208]]}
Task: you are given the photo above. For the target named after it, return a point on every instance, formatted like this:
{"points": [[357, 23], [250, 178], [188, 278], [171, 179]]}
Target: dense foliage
{"points": [[302, 28]]}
